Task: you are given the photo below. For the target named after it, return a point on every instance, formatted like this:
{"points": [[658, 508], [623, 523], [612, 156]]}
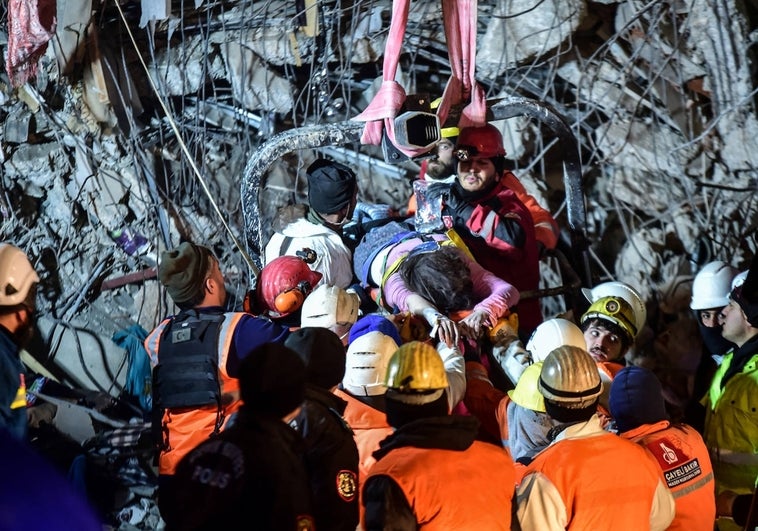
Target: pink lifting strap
{"points": [[460, 30]]}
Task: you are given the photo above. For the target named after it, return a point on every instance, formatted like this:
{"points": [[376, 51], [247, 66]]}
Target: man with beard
{"points": [[18, 287], [502, 225]]}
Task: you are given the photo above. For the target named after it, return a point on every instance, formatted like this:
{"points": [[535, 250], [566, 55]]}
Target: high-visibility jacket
{"points": [[683, 457], [731, 427], [369, 427], [447, 489], [185, 428], [592, 479]]}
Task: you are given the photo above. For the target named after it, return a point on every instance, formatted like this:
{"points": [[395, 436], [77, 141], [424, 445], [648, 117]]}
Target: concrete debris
{"points": [[531, 32], [661, 98]]}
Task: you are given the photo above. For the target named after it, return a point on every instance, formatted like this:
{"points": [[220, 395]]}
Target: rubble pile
{"points": [[106, 161]]}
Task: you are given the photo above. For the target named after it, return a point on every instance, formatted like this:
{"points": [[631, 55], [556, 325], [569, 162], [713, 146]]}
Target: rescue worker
{"points": [[196, 354], [710, 293], [333, 308], [431, 473], [440, 167], [639, 411], [332, 195], [282, 286], [731, 422], [609, 328], [487, 206], [250, 475], [331, 455], [373, 341], [620, 290], [517, 418], [573, 484], [18, 288]]}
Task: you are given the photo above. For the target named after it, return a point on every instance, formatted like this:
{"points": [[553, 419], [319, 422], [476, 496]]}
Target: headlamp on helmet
{"points": [[614, 310]]}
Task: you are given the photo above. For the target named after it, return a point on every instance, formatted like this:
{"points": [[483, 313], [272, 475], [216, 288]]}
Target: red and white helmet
{"points": [[482, 141], [284, 283]]}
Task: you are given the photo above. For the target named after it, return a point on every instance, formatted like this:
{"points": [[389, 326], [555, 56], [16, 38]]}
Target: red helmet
{"points": [[283, 284], [484, 141]]}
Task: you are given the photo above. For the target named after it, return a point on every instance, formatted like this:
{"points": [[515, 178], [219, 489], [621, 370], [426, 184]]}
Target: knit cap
{"points": [[272, 380], [182, 270], [327, 306], [636, 398], [323, 354], [375, 323], [331, 186]]}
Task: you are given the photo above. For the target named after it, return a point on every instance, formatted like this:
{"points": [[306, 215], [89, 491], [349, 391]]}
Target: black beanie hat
{"points": [[746, 295], [272, 380], [400, 412], [636, 398], [331, 186], [322, 352], [182, 271]]}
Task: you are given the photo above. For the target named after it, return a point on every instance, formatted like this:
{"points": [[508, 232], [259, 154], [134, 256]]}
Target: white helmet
{"points": [[738, 280], [712, 286], [554, 333], [620, 290], [366, 364], [17, 276]]}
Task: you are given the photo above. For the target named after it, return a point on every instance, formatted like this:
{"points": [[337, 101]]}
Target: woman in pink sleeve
{"points": [[428, 276]]}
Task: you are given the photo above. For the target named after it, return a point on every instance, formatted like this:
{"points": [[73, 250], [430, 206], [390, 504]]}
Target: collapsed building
{"points": [[129, 126]]}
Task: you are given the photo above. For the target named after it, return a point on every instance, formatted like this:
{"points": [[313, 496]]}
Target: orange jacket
{"points": [[545, 227], [591, 479], [466, 490], [187, 428], [369, 427], [683, 457]]}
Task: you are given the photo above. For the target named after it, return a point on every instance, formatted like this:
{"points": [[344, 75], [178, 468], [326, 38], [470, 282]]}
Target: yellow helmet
{"points": [[613, 309], [527, 394], [570, 377], [17, 276], [445, 132], [415, 367]]}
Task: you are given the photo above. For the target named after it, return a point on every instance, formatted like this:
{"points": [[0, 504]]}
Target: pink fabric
{"points": [[460, 31], [385, 105], [31, 24]]}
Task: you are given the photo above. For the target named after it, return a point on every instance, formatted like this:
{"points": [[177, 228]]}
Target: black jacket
{"points": [[331, 458], [250, 476]]}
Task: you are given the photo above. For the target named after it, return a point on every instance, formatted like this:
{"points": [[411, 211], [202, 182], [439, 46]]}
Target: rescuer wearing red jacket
{"points": [[492, 219]]}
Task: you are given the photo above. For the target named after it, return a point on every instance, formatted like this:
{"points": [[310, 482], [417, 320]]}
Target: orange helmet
{"points": [[483, 141], [284, 283]]}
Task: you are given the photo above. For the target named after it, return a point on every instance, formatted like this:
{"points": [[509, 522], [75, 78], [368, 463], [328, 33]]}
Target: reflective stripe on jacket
{"points": [[189, 427], [683, 457], [731, 426], [572, 484]]}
